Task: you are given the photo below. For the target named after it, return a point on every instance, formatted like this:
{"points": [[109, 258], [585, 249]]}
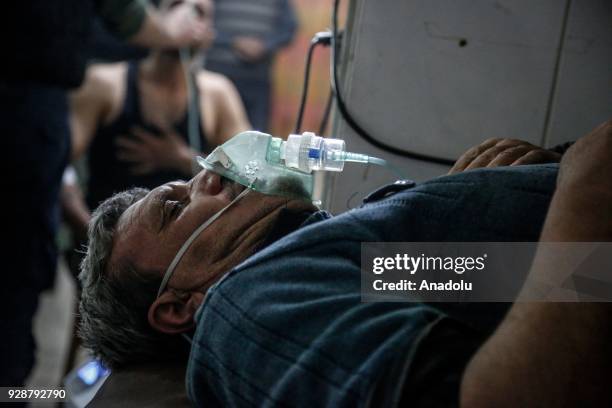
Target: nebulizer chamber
{"points": [[274, 166], [308, 152]]}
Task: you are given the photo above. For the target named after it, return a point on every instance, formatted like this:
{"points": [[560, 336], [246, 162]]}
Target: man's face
{"points": [[202, 9], [153, 229]]}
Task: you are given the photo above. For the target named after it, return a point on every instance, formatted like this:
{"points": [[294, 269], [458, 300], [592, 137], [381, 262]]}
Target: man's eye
{"points": [[175, 208], [199, 10]]}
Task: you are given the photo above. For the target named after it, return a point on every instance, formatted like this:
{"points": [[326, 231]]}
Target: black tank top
{"points": [[107, 174]]}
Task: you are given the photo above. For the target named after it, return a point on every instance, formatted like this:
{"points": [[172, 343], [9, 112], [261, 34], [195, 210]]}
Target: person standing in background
{"points": [[46, 53], [131, 120], [248, 36]]}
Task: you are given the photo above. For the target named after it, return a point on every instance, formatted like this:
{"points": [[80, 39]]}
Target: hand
{"points": [[250, 49], [149, 153], [185, 30], [503, 152]]}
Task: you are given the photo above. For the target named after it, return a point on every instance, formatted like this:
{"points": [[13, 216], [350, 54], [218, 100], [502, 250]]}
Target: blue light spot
{"points": [[91, 372]]}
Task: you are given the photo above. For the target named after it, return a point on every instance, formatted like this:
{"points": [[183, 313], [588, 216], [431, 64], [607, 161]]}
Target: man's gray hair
{"points": [[115, 297]]}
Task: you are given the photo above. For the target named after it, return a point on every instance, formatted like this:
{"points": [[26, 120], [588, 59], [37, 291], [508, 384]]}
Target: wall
{"points": [[439, 76]]}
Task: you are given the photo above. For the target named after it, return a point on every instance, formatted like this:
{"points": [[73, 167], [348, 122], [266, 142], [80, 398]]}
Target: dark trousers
{"points": [[35, 146]]}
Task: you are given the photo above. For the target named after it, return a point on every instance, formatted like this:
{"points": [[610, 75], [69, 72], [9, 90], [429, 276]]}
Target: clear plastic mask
{"points": [[252, 159]]}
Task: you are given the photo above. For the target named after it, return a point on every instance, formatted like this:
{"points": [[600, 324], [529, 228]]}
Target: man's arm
{"points": [[89, 106], [556, 354], [74, 209]]}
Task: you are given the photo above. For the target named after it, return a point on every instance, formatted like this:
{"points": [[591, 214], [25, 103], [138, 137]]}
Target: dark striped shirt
{"points": [[272, 21]]}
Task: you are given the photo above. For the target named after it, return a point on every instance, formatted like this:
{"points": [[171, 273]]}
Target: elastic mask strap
{"points": [[187, 338], [192, 238]]}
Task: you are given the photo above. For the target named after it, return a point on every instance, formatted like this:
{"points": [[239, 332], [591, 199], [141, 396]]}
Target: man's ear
{"points": [[172, 314]]}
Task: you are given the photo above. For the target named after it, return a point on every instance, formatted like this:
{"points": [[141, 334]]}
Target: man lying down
{"points": [[269, 292]]}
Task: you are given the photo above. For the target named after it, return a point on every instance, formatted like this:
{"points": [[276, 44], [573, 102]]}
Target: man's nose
{"points": [[207, 182]]}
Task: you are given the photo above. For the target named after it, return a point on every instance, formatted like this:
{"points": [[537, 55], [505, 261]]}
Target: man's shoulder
{"points": [[103, 86], [106, 74], [214, 82]]}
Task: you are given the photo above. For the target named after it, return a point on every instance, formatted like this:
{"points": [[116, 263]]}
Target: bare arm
{"points": [[89, 105], [556, 354], [74, 209]]}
